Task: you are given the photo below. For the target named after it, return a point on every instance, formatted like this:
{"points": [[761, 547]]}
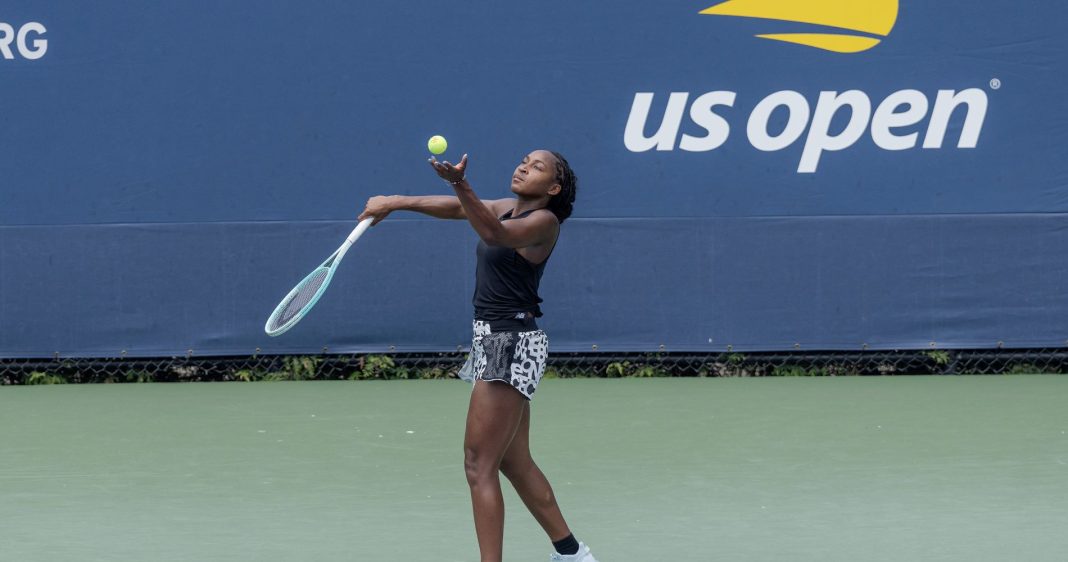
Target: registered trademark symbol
{"points": [[995, 84]]}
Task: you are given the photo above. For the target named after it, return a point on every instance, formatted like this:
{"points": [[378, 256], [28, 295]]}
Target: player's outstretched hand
{"points": [[449, 172]]}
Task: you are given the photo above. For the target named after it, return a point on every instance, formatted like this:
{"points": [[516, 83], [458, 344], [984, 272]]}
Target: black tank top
{"points": [[506, 284]]}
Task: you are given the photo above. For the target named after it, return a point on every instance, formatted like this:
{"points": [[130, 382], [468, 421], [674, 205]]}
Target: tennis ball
{"points": [[437, 144]]}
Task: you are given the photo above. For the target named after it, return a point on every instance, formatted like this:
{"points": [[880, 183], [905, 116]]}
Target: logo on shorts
{"points": [[521, 316], [857, 25]]}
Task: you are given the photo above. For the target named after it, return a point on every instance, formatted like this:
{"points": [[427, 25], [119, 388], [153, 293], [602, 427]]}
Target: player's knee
{"points": [[478, 467]]}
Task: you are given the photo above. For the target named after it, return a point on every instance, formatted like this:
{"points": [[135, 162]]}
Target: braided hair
{"points": [[562, 203]]}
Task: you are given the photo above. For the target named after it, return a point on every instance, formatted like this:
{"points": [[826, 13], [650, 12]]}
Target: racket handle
{"points": [[359, 230]]}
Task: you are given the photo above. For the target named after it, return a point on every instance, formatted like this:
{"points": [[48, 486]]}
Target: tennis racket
{"points": [[304, 296]]}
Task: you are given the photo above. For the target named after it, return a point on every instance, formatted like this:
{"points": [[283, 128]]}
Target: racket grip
{"points": [[359, 230]]}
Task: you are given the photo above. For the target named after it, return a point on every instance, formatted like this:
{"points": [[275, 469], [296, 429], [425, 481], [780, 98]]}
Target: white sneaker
{"points": [[583, 555]]}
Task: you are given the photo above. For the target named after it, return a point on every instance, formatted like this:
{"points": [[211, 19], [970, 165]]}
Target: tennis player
{"points": [[508, 351]]}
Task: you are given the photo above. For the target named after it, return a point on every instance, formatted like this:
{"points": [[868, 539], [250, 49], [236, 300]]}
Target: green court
{"points": [[800, 469]]}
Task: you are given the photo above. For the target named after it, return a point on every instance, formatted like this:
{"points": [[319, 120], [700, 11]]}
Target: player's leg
{"points": [[530, 483], [493, 416], [534, 489]]}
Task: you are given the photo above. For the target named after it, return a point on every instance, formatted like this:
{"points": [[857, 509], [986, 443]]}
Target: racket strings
{"points": [[301, 298]]}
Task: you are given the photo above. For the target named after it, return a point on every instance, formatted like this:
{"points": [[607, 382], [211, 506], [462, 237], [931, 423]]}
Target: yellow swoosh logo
{"points": [[871, 17]]}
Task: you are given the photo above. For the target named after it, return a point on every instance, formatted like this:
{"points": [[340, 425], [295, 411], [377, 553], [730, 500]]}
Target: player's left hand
{"points": [[450, 172]]}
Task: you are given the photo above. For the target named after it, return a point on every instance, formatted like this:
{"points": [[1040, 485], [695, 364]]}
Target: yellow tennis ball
{"points": [[437, 144]]}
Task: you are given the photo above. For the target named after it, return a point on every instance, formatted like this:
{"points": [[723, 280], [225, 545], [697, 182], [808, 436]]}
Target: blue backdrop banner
{"points": [[758, 174]]}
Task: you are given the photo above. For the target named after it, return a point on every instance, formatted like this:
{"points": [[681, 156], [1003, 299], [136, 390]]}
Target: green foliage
{"points": [[649, 371], [1030, 369], [828, 370], [637, 370], [136, 376], [39, 377], [309, 368], [435, 373], [616, 370], [254, 375], [276, 376], [382, 367], [789, 371], [938, 356], [300, 368], [378, 367], [732, 365], [295, 368], [799, 371], [385, 367]]}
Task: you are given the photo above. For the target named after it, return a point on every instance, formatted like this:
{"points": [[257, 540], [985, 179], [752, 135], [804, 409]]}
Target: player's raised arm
{"points": [[537, 229], [437, 206]]}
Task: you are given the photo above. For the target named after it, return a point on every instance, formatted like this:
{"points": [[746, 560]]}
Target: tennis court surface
{"points": [[821, 469]]}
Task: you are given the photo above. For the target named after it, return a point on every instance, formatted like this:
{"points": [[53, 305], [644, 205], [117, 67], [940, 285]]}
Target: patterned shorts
{"points": [[516, 358]]}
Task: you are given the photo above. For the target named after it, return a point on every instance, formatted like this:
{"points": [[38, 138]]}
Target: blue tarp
{"points": [[169, 170]]}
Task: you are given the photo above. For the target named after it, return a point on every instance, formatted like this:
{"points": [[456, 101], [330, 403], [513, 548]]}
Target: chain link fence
{"points": [[561, 365]]}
